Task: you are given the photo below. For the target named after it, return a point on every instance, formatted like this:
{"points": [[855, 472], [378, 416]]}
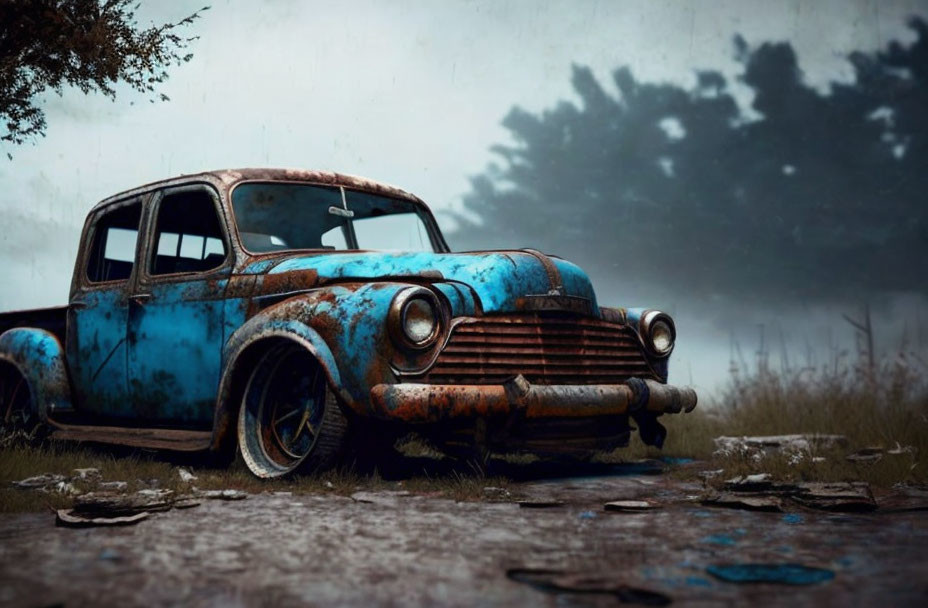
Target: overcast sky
{"points": [[411, 93]]}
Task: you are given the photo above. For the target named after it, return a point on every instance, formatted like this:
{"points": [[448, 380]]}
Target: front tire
{"points": [[289, 418]]}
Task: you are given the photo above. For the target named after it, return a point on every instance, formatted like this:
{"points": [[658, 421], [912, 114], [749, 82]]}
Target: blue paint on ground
{"points": [[792, 518], [675, 460], [697, 581], [845, 561], [789, 574], [719, 539], [587, 515]]}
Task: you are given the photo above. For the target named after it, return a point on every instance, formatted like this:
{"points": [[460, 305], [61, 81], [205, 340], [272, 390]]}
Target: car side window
{"points": [[112, 252], [188, 234]]}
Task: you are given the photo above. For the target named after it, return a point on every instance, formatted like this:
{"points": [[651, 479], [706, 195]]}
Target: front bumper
{"points": [[422, 403]]}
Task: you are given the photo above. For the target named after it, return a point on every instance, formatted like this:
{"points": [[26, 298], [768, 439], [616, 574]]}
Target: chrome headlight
{"points": [[658, 332], [415, 318]]}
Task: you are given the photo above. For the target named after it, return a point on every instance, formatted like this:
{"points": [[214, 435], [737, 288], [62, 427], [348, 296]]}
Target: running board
{"points": [[156, 439]]}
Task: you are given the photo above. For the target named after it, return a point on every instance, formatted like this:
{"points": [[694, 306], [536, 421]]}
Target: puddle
{"points": [[790, 574]]}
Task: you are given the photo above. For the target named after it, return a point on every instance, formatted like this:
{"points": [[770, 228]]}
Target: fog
{"points": [[453, 101]]}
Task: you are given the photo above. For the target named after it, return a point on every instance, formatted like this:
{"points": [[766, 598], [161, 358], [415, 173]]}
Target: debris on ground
{"points": [[869, 455], [495, 493], [186, 503], [629, 505], [383, 498], [111, 504], [104, 508], [68, 518], [40, 482], [560, 581], [87, 475], [748, 503], [116, 486], [841, 496], [790, 574], [795, 447], [759, 482], [65, 487], [185, 475], [761, 492], [902, 449], [223, 494]]}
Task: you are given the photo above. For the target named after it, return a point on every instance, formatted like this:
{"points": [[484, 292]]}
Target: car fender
{"points": [[39, 356], [264, 326]]}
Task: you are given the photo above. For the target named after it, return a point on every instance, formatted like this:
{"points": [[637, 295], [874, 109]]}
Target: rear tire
{"points": [[18, 419], [289, 418]]}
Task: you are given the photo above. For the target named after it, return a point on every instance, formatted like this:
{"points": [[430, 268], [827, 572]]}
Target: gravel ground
{"points": [[389, 548]]}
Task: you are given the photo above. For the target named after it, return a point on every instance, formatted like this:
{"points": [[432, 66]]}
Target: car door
{"points": [[98, 311], [175, 328]]}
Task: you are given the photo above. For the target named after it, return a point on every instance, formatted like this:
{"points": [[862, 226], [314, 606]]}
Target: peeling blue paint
{"points": [[97, 352], [499, 279], [174, 343], [40, 358]]}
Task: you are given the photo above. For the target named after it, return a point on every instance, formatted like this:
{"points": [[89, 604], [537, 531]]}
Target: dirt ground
{"points": [[391, 548]]}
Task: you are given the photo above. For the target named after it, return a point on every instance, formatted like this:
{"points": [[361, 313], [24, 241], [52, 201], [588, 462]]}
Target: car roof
{"points": [[230, 177]]}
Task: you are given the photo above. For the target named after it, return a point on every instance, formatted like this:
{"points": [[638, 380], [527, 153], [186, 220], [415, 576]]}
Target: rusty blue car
{"points": [[299, 317]]}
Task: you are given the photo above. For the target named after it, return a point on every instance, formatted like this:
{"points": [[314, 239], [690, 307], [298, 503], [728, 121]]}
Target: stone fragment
{"points": [[71, 518], [224, 494], [39, 482], [629, 505]]}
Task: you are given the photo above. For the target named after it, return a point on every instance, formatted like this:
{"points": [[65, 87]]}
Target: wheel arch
{"points": [[38, 356], [243, 352]]}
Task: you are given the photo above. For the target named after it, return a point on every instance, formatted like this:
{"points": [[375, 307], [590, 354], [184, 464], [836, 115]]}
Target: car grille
{"points": [[545, 349]]}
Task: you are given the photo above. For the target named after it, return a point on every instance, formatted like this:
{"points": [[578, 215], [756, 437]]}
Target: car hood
{"points": [[502, 280]]}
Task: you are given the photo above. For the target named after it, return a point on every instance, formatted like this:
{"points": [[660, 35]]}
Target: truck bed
{"points": [[52, 319]]}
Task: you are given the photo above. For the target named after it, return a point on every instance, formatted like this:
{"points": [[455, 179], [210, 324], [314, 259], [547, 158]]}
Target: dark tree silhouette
{"points": [[817, 195], [89, 44]]}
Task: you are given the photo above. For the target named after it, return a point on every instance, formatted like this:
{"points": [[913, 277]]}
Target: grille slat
{"points": [[496, 358], [544, 349]]}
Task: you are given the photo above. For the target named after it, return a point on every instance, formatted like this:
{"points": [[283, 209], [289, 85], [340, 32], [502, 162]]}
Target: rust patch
{"points": [[284, 282]]}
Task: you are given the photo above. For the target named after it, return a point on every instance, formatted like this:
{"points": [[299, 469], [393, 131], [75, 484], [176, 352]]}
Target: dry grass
{"points": [[882, 407], [147, 470]]}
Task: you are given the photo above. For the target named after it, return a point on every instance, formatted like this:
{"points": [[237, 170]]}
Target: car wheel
{"points": [[17, 416], [289, 418]]}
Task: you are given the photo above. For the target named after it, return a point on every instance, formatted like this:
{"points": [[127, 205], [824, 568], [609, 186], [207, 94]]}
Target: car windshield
{"points": [[277, 217]]}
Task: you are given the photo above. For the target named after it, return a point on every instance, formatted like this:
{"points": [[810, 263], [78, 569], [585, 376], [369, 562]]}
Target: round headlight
{"points": [[657, 332], [420, 320], [415, 318], [661, 337]]}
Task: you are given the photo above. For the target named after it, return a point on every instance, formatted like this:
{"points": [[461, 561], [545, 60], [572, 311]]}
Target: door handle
{"points": [[140, 298]]}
